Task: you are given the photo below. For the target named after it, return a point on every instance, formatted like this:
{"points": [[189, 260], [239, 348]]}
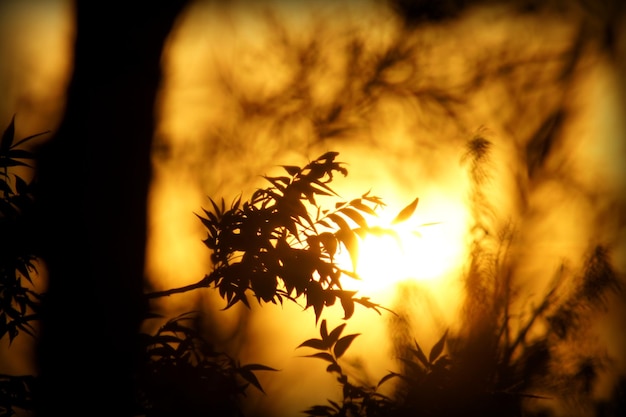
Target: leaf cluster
{"points": [[431, 370], [493, 365], [282, 245], [18, 303], [16, 192], [358, 400], [182, 373], [424, 378]]}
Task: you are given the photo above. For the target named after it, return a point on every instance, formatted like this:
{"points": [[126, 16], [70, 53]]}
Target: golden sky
{"points": [[249, 86], [254, 85]]}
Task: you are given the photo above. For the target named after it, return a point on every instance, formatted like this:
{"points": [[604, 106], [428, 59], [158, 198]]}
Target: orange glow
{"points": [[246, 91], [410, 251]]}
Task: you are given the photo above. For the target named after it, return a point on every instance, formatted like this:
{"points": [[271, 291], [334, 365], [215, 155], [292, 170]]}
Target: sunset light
{"points": [[409, 250], [269, 208]]}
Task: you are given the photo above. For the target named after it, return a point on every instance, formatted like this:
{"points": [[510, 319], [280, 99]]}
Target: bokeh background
{"points": [[398, 89]]}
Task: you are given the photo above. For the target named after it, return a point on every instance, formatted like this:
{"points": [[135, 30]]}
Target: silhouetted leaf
{"points": [[259, 367], [322, 355], [235, 205], [365, 301], [249, 376], [318, 344], [348, 307], [296, 210], [386, 378], [319, 411], [328, 156], [329, 241], [406, 212], [315, 298], [355, 216], [351, 243], [20, 154], [342, 344], [324, 330], [247, 373], [317, 308], [324, 223], [9, 162], [335, 333], [438, 348], [206, 222], [357, 204], [373, 199], [216, 208], [414, 371], [239, 296], [27, 138], [334, 367], [24, 270], [334, 404], [291, 169], [325, 189], [420, 354], [280, 183], [340, 221], [443, 361]]}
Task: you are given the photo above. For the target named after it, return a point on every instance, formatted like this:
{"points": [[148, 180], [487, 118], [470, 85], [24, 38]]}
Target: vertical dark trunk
{"points": [[94, 177]]}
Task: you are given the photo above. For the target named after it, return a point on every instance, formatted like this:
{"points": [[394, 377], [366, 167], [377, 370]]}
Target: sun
{"points": [[410, 250]]}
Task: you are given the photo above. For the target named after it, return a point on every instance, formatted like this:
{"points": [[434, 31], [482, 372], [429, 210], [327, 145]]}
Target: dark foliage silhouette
{"points": [[282, 245], [19, 299], [17, 252], [507, 359], [357, 399], [183, 374]]}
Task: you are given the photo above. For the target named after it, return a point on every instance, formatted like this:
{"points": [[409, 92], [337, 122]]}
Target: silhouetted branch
{"points": [[203, 283]]}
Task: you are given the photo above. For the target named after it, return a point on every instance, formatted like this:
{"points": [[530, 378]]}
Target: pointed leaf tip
{"points": [[437, 348], [343, 344], [386, 378], [406, 212]]}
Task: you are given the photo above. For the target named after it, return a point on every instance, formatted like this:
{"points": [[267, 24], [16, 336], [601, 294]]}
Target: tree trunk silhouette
{"points": [[94, 177]]}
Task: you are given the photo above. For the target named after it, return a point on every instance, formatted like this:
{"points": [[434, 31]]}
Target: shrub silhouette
{"points": [[282, 245], [256, 245], [183, 374], [357, 399], [17, 251], [502, 358], [19, 302]]}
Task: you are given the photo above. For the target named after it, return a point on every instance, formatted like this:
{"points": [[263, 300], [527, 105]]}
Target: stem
{"points": [[203, 283]]}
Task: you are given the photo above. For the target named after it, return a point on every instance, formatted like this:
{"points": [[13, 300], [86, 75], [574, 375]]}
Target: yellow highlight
{"points": [[410, 250]]}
